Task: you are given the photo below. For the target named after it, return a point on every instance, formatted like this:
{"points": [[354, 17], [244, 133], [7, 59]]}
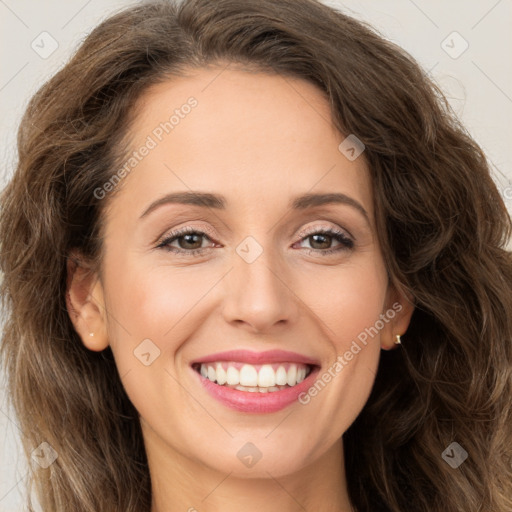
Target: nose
{"points": [[259, 294]]}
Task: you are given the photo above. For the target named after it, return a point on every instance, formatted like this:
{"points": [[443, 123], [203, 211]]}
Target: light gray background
{"points": [[477, 83]]}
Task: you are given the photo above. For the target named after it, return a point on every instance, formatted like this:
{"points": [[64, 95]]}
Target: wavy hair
{"points": [[441, 223]]}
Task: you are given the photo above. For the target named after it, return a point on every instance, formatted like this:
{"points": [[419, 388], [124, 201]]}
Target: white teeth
{"points": [[292, 375], [220, 374], [248, 375], [232, 376], [262, 379], [266, 376], [281, 376]]}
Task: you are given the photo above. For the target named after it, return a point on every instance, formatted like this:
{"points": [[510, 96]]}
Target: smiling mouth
{"points": [[257, 378]]}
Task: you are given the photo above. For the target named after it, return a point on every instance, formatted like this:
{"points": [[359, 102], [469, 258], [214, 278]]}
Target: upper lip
{"points": [[251, 357]]}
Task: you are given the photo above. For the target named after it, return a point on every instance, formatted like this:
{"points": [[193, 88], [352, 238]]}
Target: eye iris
{"points": [[324, 245], [188, 238]]}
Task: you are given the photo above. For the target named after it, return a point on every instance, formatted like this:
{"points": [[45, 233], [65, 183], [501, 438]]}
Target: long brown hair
{"points": [[441, 223]]}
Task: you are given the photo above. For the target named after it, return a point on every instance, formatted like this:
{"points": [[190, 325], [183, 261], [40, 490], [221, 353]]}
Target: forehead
{"points": [[261, 136]]}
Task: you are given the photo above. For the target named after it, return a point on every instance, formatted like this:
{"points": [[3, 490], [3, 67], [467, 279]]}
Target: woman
{"points": [[253, 262]]}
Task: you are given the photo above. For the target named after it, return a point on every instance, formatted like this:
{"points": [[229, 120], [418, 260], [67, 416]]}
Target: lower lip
{"points": [[256, 402]]}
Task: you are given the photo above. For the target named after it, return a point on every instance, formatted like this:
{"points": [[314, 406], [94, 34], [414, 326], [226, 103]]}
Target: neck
{"points": [[181, 484]]}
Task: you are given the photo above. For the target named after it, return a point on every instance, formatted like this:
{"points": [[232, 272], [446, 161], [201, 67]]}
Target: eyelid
{"points": [[180, 231], [336, 228]]}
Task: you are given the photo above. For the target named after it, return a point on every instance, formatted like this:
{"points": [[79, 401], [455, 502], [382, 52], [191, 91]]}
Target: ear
{"points": [[85, 303], [398, 309]]}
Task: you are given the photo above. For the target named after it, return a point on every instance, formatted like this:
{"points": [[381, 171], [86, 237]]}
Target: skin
{"points": [[259, 140]]}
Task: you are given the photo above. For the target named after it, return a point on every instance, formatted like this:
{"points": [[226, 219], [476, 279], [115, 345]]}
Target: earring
{"points": [[397, 341], [91, 334]]}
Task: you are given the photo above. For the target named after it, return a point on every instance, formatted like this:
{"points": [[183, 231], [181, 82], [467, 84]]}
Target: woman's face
{"points": [[280, 276]]}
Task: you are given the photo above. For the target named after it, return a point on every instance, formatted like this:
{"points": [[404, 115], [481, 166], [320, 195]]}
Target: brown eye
{"points": [[190, 241], [186, 242], [321, 242]]}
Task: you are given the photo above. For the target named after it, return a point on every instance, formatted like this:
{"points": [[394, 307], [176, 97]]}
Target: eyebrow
{"points": [[219, 202]]}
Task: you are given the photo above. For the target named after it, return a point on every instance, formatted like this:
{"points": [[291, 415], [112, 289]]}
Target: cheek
{"points": [[152, 311], [149, 300], [347, 299], [163, 304], [349, 303]]}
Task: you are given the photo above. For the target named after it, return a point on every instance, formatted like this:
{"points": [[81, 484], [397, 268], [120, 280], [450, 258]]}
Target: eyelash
{"points": [[346, 242]]}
